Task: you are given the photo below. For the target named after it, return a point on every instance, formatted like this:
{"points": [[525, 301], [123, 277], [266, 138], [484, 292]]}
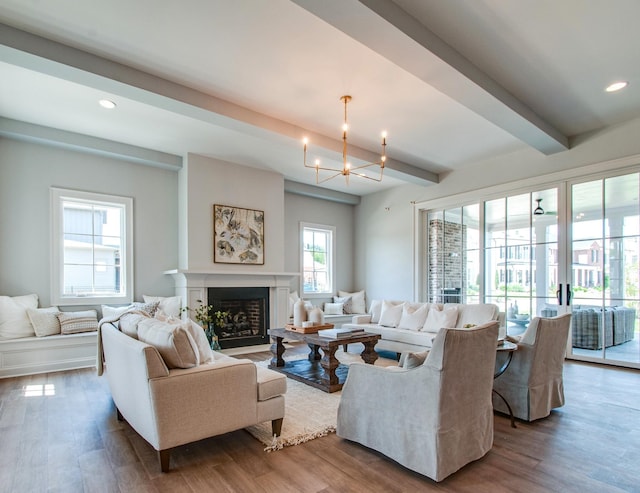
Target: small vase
{"points": [[212, 337], [316, 316], [299, 313]]}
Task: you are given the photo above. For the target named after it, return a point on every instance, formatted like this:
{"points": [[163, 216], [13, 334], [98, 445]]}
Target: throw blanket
{"points": [[100, 355]]}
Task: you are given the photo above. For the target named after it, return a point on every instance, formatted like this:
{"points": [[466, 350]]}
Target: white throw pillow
{"points": [[174, 342], [44, 320], [529, 335], [333, 308], [438, 319], [171, 305], [413, 317], [347, 303], [390, 314], [374, 311], [358, 304], [128, 323], [14, 322], [111, 312]]}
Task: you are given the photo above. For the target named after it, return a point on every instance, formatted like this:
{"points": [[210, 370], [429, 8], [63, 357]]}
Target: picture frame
{"points": [[238, 235]]}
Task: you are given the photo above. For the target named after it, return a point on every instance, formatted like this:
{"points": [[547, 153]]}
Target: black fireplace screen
{"points": [[241, 315]]}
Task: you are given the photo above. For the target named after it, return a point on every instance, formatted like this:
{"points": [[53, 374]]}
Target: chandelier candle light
{"points": [[347, 169]]}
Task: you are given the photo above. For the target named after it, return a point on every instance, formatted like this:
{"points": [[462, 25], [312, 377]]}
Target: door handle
{"points": [[559, 294], [568, 294]]}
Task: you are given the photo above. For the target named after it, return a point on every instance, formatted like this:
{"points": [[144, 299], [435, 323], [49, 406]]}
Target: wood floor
{"points": [[70, 441]]}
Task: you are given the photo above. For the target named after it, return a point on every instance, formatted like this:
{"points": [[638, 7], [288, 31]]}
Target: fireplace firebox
{"points": [[244, 315]]}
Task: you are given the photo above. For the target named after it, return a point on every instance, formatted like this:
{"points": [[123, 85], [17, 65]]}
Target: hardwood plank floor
{"points": [[70, 441]]}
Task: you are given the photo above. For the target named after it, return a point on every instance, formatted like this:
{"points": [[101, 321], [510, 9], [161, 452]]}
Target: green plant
{"points": [[220, 318], [202, 314]]}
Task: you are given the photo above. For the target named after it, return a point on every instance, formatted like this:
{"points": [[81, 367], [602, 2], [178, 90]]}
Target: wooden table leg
{"points": [[277, 349], [369, 354], [329, 363], [314, 352]]}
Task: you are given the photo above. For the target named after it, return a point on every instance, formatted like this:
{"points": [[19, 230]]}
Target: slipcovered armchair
{"points": [[434, 418], [532, 384]]}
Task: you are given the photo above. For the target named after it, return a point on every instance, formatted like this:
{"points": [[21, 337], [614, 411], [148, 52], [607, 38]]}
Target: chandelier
{"points": [[347, 170]]}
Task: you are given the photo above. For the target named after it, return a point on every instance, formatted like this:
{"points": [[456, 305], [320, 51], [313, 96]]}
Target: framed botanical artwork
{"points": [[238, 235]]}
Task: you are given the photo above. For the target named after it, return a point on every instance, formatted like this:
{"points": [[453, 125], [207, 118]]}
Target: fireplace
{"points": [[245, 315]]}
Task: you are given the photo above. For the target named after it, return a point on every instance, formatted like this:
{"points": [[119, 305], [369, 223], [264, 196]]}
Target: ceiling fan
{"points": [[539, 211]]}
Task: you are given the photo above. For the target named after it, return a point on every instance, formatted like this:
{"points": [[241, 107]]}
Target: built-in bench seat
{"points": [[31, 355]]}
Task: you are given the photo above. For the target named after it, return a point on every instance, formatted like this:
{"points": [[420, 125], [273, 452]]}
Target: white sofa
{"points": [[401, 331], [172, 407]]}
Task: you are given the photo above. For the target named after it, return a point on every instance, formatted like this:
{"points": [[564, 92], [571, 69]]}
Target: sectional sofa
{"points": [[406, 326]]}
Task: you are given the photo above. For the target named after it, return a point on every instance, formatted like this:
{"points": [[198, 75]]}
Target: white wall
{"points": [[385, 239], [205, 182], [311, 210], [27, 170]]}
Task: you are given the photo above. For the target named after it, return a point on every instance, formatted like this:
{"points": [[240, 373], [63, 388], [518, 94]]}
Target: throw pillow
{"points": [[174, 342], [374, 310], [14, 322], [75, 322], [111, 312], [413, 317], [346, 301], [529, 336], [333, 308], [128, 323], [390, 314], [413, 360], [171, 305], [44, 320], [437, 319], [358, 304], [150, 308]]}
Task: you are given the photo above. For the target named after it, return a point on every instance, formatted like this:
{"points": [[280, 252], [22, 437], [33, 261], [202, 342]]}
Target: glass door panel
{"points": [[605, 248]]}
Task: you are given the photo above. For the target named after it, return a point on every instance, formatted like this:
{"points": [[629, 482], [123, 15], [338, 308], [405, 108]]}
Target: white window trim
{"points": [[57, 248], [332, 262]]}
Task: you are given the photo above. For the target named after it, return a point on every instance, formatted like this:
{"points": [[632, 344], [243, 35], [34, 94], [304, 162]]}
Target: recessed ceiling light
{"points": [[105, 103], [616, 86]]}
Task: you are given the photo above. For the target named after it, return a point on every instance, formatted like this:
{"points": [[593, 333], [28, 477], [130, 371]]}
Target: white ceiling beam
{"points": [[391, 32], [58, 60]]}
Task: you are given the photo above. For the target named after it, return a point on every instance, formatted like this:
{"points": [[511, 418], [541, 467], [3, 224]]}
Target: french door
{"points": [[573, 247], [604, 250]]}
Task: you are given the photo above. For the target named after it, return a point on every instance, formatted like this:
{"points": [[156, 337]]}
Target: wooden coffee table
{"points": [[322, 371]]}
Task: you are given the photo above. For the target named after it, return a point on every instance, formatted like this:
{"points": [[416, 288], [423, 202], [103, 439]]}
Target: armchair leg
{"points": [[164, 456], [276, 426]]}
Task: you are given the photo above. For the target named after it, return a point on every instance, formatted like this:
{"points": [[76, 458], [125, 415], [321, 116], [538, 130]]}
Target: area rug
{"points": [[309, 412]]}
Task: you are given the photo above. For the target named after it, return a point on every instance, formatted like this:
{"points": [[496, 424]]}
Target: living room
{"points": [[378, 244]]}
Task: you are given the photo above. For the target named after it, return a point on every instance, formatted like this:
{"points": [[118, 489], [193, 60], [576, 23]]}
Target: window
{"points": [[317, 259], [91, 237]]}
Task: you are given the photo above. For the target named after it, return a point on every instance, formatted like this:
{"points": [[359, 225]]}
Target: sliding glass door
{"points": [[570, 248]]}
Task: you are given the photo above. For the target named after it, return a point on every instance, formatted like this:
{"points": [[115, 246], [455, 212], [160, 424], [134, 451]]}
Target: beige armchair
{"points": [[532, 384], [432, 419]]}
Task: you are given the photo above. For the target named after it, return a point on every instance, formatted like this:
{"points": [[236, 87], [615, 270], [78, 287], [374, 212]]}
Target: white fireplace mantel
{"points": [[192, 286]]}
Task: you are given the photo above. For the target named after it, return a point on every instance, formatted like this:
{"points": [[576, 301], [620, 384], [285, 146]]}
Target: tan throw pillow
{"points": [[14, 322], [75, 322], [44, 320], [173, 342], [358, 304]]}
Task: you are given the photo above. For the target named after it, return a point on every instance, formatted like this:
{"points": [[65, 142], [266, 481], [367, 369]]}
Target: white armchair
{"points": [[432, 419], [532, 384]]}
